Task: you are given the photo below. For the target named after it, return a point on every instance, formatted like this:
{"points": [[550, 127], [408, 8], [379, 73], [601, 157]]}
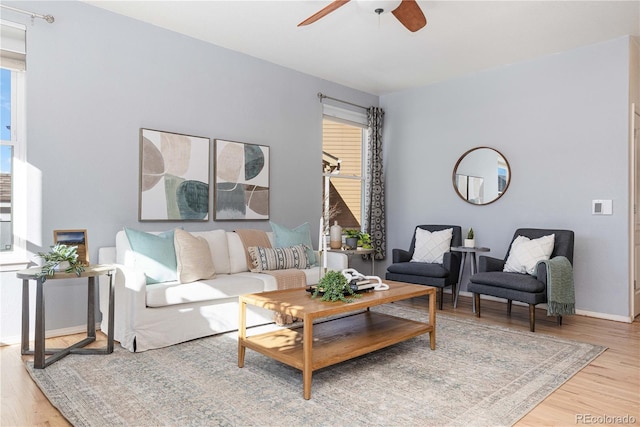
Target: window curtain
{"points": [[374, 214]]}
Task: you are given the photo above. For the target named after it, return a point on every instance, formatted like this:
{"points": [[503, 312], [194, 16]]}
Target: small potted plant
{"points": [[333, 286], [470, 241], [353, 235], [60, 258], [357, 238], [365, 241]]}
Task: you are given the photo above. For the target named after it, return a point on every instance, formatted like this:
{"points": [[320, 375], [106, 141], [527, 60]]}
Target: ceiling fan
{"points": [[408, 13]]}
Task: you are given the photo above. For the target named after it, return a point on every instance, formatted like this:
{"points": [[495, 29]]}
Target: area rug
{"points": [[478, 375]]}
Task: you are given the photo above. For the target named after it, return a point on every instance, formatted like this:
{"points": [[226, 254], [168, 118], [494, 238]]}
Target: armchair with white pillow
{"points": [[537, 269], [429, 260]]}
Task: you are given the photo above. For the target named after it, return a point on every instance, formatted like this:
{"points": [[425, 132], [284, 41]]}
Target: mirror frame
{"points": [[466, 153]]}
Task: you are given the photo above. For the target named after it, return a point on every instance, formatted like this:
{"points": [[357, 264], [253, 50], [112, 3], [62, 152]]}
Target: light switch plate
{"points": [[602, 207]]}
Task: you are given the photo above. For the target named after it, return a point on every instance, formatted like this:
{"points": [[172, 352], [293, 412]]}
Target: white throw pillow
{"points": [[193, 257], [525, 253], [431, 246]]}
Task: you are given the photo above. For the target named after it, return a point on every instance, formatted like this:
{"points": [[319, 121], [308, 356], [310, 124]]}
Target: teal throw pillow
{"points": [[156, 255], [301, 235]]}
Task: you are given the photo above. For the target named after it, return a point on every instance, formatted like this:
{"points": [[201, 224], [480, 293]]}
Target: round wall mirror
{"points": [[481, 176]]}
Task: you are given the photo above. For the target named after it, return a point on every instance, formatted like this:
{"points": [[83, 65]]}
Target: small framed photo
{"points": [[74, 238]]}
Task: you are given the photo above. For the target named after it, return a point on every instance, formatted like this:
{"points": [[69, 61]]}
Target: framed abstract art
{"points": [[241, 189], [174, 177]]}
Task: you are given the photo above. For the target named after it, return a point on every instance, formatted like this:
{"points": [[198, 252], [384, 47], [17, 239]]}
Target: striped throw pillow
{"points": [[265, 259]]}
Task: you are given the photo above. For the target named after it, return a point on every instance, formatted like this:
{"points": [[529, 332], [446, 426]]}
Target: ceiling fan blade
{"points": [[323, 12], [410, 15]]}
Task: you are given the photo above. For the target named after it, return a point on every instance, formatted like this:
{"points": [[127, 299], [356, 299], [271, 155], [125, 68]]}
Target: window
{"points": [[12, 148], [343, 154]]}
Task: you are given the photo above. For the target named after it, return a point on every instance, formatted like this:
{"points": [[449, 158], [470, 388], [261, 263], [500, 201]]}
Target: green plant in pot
{"points": [[60, 258], [470, 241], [361, 239], [332, 287]]}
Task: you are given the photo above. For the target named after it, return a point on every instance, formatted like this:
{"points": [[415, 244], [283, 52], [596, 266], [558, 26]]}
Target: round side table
{"points": [[474, 267]]}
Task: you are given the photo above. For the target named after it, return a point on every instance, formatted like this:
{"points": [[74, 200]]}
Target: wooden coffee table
{"points": [[359, 331]]}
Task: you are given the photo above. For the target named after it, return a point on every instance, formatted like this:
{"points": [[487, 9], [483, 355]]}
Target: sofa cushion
{"points": [[193, 257], [155, 254], [222, 287], [525, 253], [219, 248], [237, 254], [431, 246], [300, 235], [265, 259]]}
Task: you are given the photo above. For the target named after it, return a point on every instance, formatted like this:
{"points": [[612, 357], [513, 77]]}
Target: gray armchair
{"points": [[422, 273], [530, 289]]}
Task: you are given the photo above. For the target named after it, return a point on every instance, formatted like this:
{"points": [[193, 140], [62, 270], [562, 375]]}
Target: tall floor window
{"points": [[344, 136]]}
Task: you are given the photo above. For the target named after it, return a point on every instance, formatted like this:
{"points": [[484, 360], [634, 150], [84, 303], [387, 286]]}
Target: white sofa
{"points": [[163, 314]]}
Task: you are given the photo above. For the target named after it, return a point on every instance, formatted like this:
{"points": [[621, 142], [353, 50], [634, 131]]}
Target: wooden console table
{"points": [[91, 272]]}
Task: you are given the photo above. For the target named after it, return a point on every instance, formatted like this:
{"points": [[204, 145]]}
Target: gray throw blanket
{"points": [[561, 297]]}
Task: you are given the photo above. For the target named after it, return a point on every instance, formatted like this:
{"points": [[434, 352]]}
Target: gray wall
{"points": [[562, 122], [94, 78]]}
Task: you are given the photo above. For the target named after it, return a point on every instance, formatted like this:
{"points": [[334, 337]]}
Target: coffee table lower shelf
{"points": [[335, 340]]}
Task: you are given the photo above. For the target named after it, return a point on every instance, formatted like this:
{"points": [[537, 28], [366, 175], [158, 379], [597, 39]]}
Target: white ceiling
{"points": [[355, 47]]}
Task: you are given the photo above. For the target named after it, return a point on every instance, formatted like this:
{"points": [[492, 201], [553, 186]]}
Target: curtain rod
{"points": [[323, 96], [48, 18]]}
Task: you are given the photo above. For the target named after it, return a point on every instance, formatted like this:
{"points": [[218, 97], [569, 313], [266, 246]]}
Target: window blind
{"points": [[344, 116], [13, 46]]}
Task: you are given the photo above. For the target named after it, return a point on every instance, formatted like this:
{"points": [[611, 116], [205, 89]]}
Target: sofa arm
{"points": [[336, 261], [400, 255], [451, 261], [487, 263], [130, 298]]}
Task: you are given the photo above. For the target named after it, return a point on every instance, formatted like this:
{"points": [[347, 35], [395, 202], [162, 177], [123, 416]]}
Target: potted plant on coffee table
{"points": [[334, 287], [60, 258]]}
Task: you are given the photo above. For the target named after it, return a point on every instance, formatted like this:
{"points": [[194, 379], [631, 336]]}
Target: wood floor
{"points": [[608, 387]]}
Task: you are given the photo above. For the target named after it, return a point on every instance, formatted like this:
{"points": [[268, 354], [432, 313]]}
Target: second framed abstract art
{"points": [[241, 188]]}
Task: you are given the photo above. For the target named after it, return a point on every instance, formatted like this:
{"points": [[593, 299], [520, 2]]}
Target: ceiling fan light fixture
{"points": [[406, 11], [378, 6]]}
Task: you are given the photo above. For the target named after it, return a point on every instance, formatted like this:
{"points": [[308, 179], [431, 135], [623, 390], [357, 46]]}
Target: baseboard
{"points": [[586, 313], [16, 339]]}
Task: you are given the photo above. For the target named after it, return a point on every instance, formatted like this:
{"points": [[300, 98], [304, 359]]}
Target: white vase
{"points": [[469, 243], [335, 236]]}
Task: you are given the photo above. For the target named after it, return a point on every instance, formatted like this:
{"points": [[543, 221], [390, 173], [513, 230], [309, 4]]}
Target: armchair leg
{"points": [[476, 298], [509, 307], [559, 320], [532, 317], [440, 297]]}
